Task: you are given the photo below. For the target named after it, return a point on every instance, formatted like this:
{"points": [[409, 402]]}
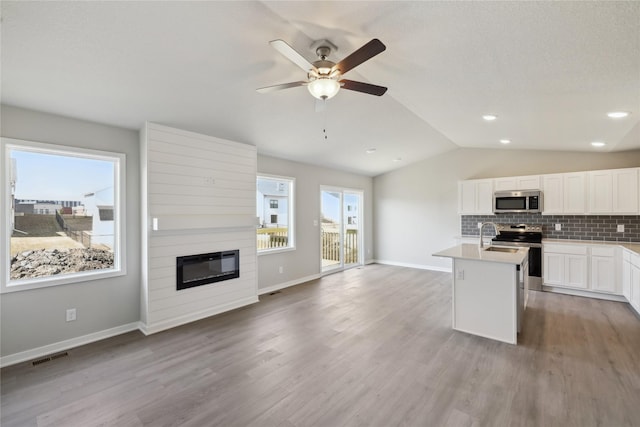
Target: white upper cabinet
{"points": [[600, 192], [475, 197], [625, 191], [504, 184], [613, 191], [553, 193], [531, 182], [603, 192], [528, 182], [575, 193], [564, 193]]}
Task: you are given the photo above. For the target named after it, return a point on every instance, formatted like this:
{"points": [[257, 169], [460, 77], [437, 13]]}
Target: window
{"points": [[105, 213], [276, 230], [45, 243]]}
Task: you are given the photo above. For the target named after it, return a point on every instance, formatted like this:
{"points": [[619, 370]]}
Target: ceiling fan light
{"points": [[323, 88]]}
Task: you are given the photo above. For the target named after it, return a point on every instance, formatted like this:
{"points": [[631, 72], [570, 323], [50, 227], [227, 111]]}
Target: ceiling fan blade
{"points": [[363, 87], [365, 53], [281, 86], [292, 55]]}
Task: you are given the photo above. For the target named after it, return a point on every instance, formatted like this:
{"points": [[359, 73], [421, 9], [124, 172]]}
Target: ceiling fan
{"points": [[324, 77]]}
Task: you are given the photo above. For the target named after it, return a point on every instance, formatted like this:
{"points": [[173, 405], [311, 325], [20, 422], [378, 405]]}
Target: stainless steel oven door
{"points": [[535, 261]]}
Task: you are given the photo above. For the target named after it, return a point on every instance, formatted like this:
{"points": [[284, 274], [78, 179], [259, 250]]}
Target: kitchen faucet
{"points": [[482, 228]]}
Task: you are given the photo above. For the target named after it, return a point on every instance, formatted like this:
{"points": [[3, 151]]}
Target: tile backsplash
{"points": [[575, 227]]}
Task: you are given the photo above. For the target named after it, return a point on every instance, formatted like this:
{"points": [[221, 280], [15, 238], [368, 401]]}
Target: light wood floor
{"points": [[372, 346]]}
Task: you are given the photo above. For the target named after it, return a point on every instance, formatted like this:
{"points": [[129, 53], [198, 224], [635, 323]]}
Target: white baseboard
{"points": [[580, 293], [418, 266], [149, 329], [57, 347], [262, 291]]}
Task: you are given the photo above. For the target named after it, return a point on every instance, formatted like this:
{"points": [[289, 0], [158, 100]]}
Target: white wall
{"points": [[35, 318], [304, 262], [416, 207]]}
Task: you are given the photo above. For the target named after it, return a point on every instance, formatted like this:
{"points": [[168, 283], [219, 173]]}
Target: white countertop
{"points": [[473, 252], [632, 246]]}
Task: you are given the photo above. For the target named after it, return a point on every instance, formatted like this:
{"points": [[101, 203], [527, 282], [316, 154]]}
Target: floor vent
{"points": [[49, 358]]}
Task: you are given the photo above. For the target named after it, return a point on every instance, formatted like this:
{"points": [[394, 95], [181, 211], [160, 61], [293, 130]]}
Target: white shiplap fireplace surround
{"points": [[199, 196]]}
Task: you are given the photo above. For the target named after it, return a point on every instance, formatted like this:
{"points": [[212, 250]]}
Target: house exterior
{"points": [[12, 186], [99, 205], [351, 215], [272, 200], [44, 207]]}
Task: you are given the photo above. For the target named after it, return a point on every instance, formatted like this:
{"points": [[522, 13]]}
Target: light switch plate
{"points": [[558, 227], [620, 228]]}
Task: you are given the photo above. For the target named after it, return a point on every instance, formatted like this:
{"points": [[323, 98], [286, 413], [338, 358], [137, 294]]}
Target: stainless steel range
{"points": [[524, 235]]}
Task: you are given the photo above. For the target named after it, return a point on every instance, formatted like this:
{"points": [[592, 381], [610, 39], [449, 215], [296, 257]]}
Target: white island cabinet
{"points": [[489, 290]]}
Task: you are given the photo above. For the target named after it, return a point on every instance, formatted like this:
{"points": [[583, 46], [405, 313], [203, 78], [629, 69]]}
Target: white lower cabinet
{"points": [[603, 269], [565, 266], [632, 279], [575, 273], [635, 287], [582, 266], [597, 269], [626, 275]]}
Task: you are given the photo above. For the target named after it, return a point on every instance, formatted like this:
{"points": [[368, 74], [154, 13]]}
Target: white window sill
{"points": [[45, 282], [275, 251]]}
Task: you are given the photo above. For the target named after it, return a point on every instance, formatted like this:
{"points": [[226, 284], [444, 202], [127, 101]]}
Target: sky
{"points": [[53, 177], [331, 204]]}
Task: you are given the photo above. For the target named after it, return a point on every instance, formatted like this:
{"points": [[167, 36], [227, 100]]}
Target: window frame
{"points": [[119, 198], [290, 214]]}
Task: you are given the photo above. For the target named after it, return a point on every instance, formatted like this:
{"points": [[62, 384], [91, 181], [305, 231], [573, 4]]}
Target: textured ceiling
{"points": [[549, 70]]}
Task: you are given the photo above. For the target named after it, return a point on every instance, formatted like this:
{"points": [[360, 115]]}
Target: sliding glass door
{"points": [[341, 228]]}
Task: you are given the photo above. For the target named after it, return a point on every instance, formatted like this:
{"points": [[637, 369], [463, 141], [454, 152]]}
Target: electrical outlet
{"points": [[460, 274], [620, 228], [280, 270], [71, 314], [558, 227], [479, 225], [315, 222]]}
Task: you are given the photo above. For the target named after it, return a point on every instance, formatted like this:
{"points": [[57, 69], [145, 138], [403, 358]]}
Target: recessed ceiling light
{"points": [[397, 159], [370, 150], [505, 141], [598, 144], [489, 117], [618, 114]]}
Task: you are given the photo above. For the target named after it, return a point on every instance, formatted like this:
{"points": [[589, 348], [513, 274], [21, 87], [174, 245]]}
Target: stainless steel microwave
{"points": [[527, 201]]}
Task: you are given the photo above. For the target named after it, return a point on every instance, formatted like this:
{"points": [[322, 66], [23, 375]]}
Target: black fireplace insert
{"points": [[198, 270]]}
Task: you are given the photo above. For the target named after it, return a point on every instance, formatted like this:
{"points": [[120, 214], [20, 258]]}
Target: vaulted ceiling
{"points": [[550, 71]]}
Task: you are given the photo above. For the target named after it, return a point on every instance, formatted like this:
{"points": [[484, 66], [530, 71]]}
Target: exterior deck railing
{"points": [[331, 246], [272, 238]]}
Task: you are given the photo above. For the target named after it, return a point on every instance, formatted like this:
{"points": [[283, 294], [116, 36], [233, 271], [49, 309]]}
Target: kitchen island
{"points": [[489, 290]]}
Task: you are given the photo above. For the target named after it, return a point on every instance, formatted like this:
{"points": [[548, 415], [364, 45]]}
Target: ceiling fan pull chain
{"points": [[324, 123]]}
